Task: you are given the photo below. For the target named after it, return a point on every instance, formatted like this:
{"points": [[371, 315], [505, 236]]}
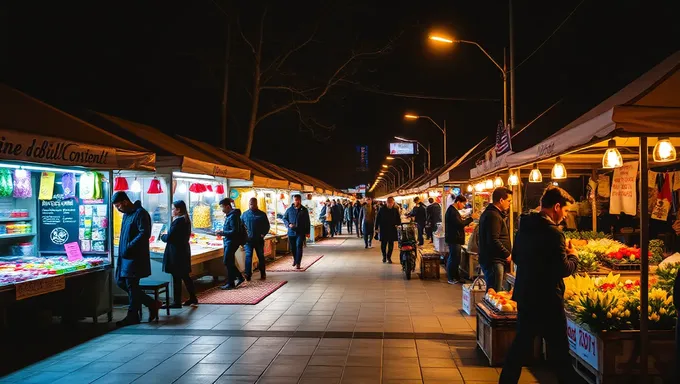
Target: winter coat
{"points": [[348, 213], [177, 255], [356, 212], [336, 211], [434, 214], [542, 262], [231, 228], [386, 222], [300, 220], [455, 226], [134, 259], [367, 218], [257, 225], [419, 214], [322, 214], [494, 237]]}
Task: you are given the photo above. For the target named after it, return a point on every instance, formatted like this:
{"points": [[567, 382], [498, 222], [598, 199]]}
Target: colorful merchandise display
{"points": [[19, 269]]}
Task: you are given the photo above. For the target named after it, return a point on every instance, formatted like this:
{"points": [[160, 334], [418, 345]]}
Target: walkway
{"points": [[348, 319]]}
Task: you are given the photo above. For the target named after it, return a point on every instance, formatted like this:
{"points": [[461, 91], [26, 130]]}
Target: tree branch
{"points": [[279, 61], [240, 30]]}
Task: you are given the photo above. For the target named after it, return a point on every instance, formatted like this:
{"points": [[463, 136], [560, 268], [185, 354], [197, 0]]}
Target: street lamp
{"points": [[388, 169], [415, 117], [408, 166], [443, 39], [418, 142]]}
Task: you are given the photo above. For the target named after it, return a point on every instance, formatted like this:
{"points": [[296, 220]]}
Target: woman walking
{"points": [[177, 256]]}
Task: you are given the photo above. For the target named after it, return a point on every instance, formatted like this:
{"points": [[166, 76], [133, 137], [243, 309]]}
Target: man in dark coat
{"points": [[257, 225], [322, 218], [297, 221], [349, 218], [367, 220], [419, 216], [386, 224], [231, 235], [544, 258], [134, 259], [434, 217], [356, 212], [494, 239], [455, 237], [336, 210]]}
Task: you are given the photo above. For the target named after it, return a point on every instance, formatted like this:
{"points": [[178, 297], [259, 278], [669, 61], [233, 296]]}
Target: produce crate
{"points": [[495, 334], [613, 357], [429, 266], [472, 294], [621, 267]]}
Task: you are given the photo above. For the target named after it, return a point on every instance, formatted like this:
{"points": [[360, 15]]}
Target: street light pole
{"points": [[427, 150], [409, 167]]}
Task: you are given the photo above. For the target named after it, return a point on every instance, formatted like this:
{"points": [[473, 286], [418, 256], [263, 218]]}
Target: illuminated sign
{"points": [[403, 148]]}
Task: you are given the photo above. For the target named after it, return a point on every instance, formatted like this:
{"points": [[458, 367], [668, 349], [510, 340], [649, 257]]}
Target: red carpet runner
{"points": [[285, 264], [250, 292]]}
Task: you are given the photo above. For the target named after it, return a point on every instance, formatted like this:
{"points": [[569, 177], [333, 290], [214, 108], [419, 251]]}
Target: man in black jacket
{"points": [[419, 216], [434, 216], [356, 212], [494, 239], [543, 259], [455, 237]]}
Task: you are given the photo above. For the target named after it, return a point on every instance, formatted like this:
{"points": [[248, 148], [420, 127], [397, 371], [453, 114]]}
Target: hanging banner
{"points": [[46, 186], [623, 196]]}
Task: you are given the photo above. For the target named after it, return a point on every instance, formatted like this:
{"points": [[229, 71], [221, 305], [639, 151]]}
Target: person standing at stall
{"points": [[257, 225], [324, 214], [386, 224], [232, 235], [356, 212], [134, 258], [349, 217], [367, 220], [434, 217], [336, 208], [177, 255], [419, 215], [544, 258], [494, 239], [455, 237], [297, 221]]}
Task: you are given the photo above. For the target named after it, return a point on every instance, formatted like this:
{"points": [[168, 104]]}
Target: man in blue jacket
{"points": [[134, 260], [231, 233], [419, 215], [257, 225], [297, 221]]}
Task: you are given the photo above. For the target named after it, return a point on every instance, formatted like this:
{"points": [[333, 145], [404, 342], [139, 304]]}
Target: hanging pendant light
{"points": [[479, 187], [219, 189], [155, 187], [535, 176], [513, 179], [498, 182], [559, 172], [470, 188], [120, 184], [488, 184], [136, 186], [612, 157], [664, 151], [182, 188]]}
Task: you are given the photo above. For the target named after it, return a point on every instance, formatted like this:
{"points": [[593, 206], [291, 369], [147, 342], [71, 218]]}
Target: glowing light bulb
{"points": [[182, 188], [559, 171], [470, 188], [664, 151], [513, 179], [136, 186], [488, 184], [612, 157], [498, 182], [479, 187], [535, 176]]}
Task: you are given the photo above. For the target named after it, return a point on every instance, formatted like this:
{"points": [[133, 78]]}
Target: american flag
{"points": [[502, 139]]}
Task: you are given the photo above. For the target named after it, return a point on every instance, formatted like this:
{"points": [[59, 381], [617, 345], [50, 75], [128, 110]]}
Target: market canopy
{"points": [[172, 152], [34, 131], [649, 106]]}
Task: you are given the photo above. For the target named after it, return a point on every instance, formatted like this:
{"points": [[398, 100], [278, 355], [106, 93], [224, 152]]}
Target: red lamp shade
{"points": [[155, 187], [197, 188], [209, 188], [120, 184], [219, 189]]}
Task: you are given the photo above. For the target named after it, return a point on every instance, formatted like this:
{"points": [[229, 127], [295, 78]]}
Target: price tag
{"points": [[39, 287], [583, 343], [73, 251], [156, 233]]}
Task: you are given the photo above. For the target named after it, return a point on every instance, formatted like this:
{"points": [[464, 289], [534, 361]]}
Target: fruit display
{"points": [[201, 217], [18, 269], [500, 301]]}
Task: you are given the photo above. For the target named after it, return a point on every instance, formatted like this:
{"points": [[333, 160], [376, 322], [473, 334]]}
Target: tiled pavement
{"points": [[348, 319]]}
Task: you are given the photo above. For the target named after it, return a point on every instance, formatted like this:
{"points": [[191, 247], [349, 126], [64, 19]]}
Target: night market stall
{"points": [[55, 234]]}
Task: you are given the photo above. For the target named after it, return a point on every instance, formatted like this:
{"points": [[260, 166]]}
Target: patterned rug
{"points": [[330, 242], [250, 292], [285, 264]]}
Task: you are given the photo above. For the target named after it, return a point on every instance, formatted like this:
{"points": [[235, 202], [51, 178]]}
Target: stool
{"points": [[429, 267], [157, 287]]}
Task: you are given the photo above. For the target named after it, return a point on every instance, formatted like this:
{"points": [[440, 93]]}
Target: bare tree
{"points": [[272, 78]]}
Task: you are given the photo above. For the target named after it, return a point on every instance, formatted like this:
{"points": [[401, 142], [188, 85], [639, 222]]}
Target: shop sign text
{"points": [[39, 287]]}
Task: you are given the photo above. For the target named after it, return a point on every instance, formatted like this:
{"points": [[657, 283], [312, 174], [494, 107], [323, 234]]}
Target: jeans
{"points": [[550, 323], [332, 227], [233, 273], [350, 224], [136, 296], [428, 233], [494, 275], [177, 287], [338, 227], [258, 247], [387, 247], [358, 228], [296, 243], [453, 262], [421, 239], [368, 237]]}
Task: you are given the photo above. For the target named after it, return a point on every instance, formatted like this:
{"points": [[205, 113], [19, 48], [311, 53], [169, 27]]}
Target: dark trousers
{"points": [[233, 273], [494, 275], [338, 226], [421, 239], [368, 237], [177, 287], [387, 247], [358, 227], [453, 262], [350, 224], [257, 247], [136, 297], [324, 230], [296, 243], [550, 323], [332, 227]]}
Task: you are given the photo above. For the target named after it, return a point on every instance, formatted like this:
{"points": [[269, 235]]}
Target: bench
{"points": [[157, 287]]}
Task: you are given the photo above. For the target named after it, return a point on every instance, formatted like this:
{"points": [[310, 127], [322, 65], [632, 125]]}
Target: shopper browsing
{"points": [[494, 239], [386, 224], [257, 225], [434, 217], [356, 212], [455, 237], [177, 255], [367, 220], [134, 259], [232, 235], [297, 221], [419, 215], [543, 259]]}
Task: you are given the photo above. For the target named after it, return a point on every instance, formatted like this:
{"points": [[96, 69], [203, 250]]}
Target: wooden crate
{"points": [[495, 335], [429, 267]]}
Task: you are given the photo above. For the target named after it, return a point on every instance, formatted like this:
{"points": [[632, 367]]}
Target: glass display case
{"points": [[53, 222], [273, 202]]}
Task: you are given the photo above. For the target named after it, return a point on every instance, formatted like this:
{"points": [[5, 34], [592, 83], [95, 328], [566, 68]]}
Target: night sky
{"points": [[162, 63]]}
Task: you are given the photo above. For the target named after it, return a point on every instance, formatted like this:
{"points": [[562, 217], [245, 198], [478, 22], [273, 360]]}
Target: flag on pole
{"points": [[503, 144]]}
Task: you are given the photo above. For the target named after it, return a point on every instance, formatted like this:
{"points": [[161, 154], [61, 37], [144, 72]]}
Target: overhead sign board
{"points": [[403, 148]]}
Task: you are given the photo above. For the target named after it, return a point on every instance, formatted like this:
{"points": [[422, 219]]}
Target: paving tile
{"points": [[328, 360], [430, 362], [364, 361], [321, 371], [198, 348], [401, 373], [411, 362], [361, 373], [394, 353], [211, 340], [196, 379], [317, 380], [479, 374], [221, 358], [245, 370], [44, 377], [278, 380], [237, 380], [117, 378], [208, 369]]}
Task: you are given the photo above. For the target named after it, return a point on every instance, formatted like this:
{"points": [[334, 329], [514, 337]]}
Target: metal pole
{"points": [[512, 68], [512, 218], [429, 166], [444, 142], [413, 168], [505, 92], [225, 91], [644, 259], [593, 206]]}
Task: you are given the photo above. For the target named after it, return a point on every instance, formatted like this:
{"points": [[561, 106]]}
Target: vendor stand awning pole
{"points": [[644, 258], [593, 204]]}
